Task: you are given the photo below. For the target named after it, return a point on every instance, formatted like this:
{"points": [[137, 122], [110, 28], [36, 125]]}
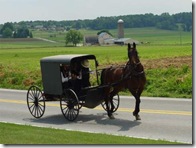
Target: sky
{"points": [[31, 10]]}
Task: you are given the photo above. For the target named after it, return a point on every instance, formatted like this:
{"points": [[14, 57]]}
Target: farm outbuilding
{"points": [[90, 40], [106, 39], [125, 41]]}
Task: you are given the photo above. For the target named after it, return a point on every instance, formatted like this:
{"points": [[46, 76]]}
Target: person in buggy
{"points": [[70, 78], [85, 74], [65, 75], [76, 77]]}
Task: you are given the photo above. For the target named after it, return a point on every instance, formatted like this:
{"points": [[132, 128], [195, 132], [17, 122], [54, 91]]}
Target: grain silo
{"points": [[120, 29]]}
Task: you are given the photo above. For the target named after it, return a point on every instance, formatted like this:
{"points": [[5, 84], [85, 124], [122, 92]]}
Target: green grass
{"points": [[157, 36], [20, 134], [164, 51], [25, 70], [176, 82]]}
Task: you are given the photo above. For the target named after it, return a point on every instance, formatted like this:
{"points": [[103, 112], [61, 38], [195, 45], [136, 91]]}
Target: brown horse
{"points": [[131, 77]]}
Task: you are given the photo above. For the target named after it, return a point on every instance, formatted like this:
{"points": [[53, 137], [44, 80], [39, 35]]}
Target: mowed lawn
{"points": [[23, 134]]}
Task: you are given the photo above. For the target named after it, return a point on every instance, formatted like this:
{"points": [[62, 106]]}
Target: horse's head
{"points": [[133, 54]]}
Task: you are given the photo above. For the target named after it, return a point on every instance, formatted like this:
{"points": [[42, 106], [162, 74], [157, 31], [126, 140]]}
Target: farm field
{"points": [[167, 75], [168, 65], [26, 43]]}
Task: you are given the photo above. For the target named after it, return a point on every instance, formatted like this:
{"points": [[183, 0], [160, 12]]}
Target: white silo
{"points": [[120, 28]]}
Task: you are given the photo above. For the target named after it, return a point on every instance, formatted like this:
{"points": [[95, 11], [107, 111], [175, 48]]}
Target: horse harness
{"points": [[131, 68]]}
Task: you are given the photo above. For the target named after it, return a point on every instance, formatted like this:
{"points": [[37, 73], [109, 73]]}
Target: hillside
{"points": [[150, 35]]}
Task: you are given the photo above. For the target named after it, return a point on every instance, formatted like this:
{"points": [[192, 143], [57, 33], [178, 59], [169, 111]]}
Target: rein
{"points": [[112, 66], [132, 71]]}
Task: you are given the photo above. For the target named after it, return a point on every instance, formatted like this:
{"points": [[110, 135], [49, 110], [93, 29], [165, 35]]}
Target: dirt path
{"points": [[46, 40], [167, 62]]}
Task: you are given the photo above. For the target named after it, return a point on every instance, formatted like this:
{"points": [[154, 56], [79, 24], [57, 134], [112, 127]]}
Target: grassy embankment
{"points": [[20, 134]]}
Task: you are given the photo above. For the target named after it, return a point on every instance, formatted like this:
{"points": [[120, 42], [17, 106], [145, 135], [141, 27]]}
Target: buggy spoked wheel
{"points": [[35, 102], [116, 102], [70, 105]]}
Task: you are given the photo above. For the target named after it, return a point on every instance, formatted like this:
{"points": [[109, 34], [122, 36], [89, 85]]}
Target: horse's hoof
{"points": [[137, 117], [111, 117]]}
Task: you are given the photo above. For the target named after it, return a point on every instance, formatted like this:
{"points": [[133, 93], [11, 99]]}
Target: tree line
{"points": [[163, 21], [180, 21], [9, 31]]}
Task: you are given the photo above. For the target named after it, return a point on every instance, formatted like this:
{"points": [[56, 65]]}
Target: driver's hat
{"points": [[85, 63]]}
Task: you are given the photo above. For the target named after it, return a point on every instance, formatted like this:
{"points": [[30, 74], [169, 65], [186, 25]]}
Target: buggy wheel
{"points": [[116, 102], [70, 105], [35, 102], [80, 106]]}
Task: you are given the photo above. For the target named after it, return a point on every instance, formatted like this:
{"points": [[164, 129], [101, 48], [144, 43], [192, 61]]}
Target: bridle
{"points": [[130, 70]]}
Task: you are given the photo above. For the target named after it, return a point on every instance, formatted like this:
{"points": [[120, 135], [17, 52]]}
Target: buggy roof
{"points": [[66, 59]]}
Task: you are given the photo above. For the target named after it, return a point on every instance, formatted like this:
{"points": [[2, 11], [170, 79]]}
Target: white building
{"points": [[106, 39]]}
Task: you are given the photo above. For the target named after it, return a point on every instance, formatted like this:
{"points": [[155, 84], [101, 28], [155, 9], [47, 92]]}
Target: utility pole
{"points": [[180, 29], [180, 37]]}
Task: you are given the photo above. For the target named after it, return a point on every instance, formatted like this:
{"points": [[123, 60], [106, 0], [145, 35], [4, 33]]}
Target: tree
{"points": [[7, 30], [22, 33], [30, 35], [7, 25], [73, 36], [7, 33]]}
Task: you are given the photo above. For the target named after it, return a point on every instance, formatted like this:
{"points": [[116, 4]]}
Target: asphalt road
{"points": [[162, 118]]}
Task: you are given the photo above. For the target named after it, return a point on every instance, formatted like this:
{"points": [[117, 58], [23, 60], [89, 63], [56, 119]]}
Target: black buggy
{"points": [[71, 99]]}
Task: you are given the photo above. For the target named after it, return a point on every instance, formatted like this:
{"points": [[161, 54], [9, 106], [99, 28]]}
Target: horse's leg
{"points": [[137, 104], [137, 107], [111, 102], [111, 107], [107, 101]]}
